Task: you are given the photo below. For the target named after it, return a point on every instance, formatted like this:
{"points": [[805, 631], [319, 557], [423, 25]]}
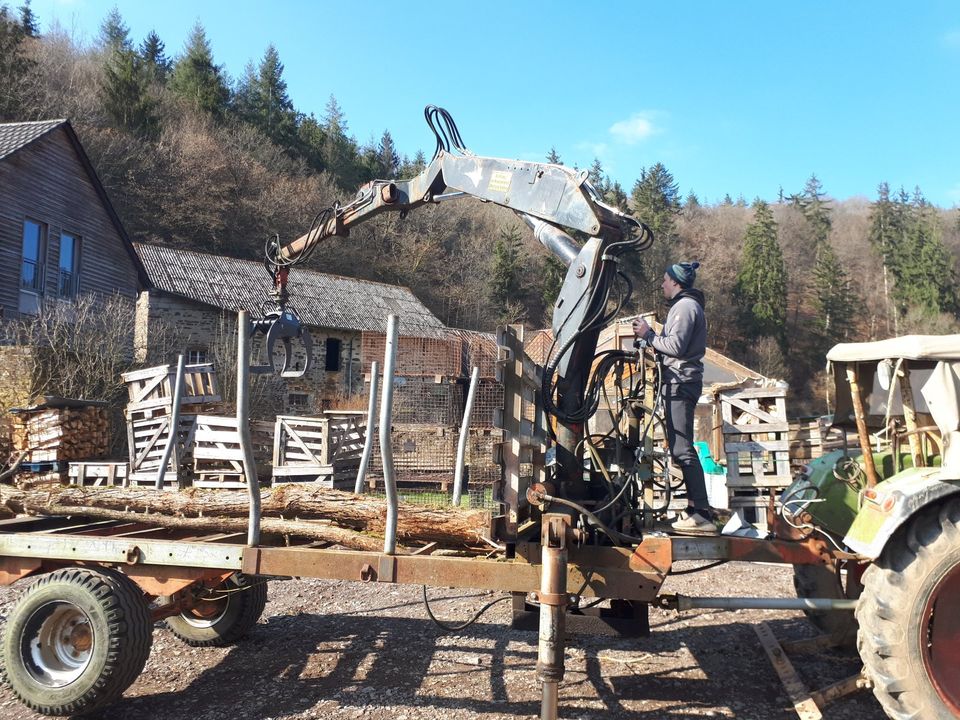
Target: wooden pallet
{"points": [[107, 473], [147, 440], [217, 456], [153, 387], [326, 450]]}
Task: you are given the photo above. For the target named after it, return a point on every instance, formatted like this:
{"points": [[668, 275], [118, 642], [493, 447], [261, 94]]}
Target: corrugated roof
{"points": [[321, 300], [14, 136]]}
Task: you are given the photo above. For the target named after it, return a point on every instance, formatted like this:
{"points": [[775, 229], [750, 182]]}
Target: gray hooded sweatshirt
{"points": [[683, 340]]}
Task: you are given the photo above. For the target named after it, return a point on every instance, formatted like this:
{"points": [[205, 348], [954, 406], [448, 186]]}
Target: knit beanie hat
{"points": [[684, 274]]}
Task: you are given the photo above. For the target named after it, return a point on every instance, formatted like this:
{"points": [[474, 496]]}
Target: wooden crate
{"points": [[325, 450], [147, 441], [217, 456], [755, 435], [98, 474], [153, 387]]}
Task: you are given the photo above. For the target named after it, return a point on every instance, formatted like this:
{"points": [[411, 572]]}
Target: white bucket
{"points": [[717, 490]]}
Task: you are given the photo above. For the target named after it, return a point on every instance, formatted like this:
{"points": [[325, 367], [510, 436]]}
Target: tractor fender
{"points": [[893, 502]]}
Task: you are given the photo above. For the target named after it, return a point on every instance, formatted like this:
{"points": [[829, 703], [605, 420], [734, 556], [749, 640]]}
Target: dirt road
{"points": [[327, 650]]}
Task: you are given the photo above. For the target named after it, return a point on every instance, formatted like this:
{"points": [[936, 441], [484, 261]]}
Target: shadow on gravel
{"points": [[293, 663]]}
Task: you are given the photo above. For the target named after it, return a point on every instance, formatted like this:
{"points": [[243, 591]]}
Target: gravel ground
{"points": [[347, 650]]}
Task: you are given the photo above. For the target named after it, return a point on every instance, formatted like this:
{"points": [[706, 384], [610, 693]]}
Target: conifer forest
{"points": [[196, 157]]}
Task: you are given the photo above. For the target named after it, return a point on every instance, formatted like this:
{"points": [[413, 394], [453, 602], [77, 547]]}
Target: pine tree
{"points": [[656, 202], [270, 107], [311, 139], [551, 281], [387, 160], [196, 79], [340, 154], [553, 157], [114, 33], [691, 203], [124, 91], [409, 168], [885, 235], [616, 196], [597, 178], [152, 50], [760, 292], [834, 299], [813, 204], [506, 273], [16, 67], [28, 21]]}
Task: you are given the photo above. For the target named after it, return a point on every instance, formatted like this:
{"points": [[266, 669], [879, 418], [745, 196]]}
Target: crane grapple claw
{"points": [[285, 325]]}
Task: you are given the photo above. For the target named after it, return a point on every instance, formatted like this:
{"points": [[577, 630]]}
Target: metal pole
{"points": [[243, 427], [371, 428], [738, 603], [386, 450], [173, 431], [553, 610], [464, 436], [869, 467]]}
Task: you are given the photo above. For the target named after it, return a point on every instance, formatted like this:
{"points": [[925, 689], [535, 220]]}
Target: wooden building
{"points": [[59, 235]]}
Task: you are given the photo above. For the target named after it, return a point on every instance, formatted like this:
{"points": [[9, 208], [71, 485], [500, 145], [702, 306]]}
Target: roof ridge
{"points": [[260, 262]]}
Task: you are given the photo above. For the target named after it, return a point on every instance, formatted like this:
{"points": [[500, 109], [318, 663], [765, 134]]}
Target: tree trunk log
{"points": [[281, 508]]}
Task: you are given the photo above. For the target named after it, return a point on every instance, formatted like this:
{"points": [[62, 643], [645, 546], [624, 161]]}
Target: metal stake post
{"points": [[173, 431], [464, 436], [386, 450], [371, 428], [553, 610], [243, 426]]}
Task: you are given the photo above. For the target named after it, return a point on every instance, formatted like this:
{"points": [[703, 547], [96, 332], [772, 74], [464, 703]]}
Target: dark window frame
{"points": [[74, 272], [331, 360], [39, 264], [198, 356]]}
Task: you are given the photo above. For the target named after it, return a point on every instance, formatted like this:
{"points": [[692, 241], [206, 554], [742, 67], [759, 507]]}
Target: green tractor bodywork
{"points": [[834, 492]]}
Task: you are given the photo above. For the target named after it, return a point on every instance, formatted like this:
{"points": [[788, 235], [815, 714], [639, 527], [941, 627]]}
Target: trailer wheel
{"points": [[909, 625], [223, 615], [75, 641], [822, 581]]}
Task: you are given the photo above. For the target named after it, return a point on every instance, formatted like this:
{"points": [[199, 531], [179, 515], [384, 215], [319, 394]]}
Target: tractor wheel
{"points": [[822, 581], [222, 615], [909, 625], [75, 641]]}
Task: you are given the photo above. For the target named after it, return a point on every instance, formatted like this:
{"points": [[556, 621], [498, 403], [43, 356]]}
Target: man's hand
{"points": [[640, 327]]}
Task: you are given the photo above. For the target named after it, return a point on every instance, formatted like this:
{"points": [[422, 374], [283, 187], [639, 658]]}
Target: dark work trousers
{"points": [[680, 402]]}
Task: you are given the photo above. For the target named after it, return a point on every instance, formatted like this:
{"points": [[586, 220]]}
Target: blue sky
{"points": [[732, 97]]}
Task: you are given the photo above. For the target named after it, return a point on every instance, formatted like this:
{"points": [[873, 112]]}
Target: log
{"points": [[285, 503]]}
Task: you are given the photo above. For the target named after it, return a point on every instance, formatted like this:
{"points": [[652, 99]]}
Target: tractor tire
{"points": [[909, 625], [228, 613], [75, 641], [821, 581]]}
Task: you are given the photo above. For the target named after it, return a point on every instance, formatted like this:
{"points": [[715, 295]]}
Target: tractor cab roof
{"points": [[907, 347]]}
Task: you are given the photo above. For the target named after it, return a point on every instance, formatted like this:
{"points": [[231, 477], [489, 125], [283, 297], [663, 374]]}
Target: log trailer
{"points": [[579, 518]]}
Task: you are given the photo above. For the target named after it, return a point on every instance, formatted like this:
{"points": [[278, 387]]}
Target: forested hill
{"points": [[194, 159]]}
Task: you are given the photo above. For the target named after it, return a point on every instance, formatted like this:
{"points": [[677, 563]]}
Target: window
{"points": [[333, 355], [69, 265], [298, 400], [197, 357], [31, 268]]}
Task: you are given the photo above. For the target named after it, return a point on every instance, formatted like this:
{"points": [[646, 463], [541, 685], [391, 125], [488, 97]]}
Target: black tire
{"points": [[76, 641], [223, 615], [821, 581], [908, 616]]}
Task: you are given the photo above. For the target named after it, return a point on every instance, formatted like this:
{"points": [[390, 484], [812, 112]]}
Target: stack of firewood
{"points": [[59, 431]]}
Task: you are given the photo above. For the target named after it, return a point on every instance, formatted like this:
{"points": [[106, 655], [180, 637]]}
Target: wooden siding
{"points": [[46, 181]]}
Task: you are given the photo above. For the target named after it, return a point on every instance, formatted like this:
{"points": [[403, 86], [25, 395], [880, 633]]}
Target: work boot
{"points": [[693, 523]]}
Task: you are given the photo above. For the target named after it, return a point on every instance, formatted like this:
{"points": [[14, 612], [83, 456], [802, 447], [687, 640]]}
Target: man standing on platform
{"points": [[682, 343]]}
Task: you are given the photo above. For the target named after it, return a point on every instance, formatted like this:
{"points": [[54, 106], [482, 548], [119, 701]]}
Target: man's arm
{"points": [[676, 332]]}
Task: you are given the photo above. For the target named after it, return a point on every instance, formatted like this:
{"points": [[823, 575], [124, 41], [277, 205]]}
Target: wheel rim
{"points": [[206, 613], [941, 650], [57, 644]]}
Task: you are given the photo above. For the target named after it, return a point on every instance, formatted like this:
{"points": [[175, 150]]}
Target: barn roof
{"points": [[321, 300]]}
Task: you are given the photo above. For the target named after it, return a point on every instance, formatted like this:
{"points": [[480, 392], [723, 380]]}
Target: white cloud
{"points": [[597, 150], [636, 128], [951, 39]]}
